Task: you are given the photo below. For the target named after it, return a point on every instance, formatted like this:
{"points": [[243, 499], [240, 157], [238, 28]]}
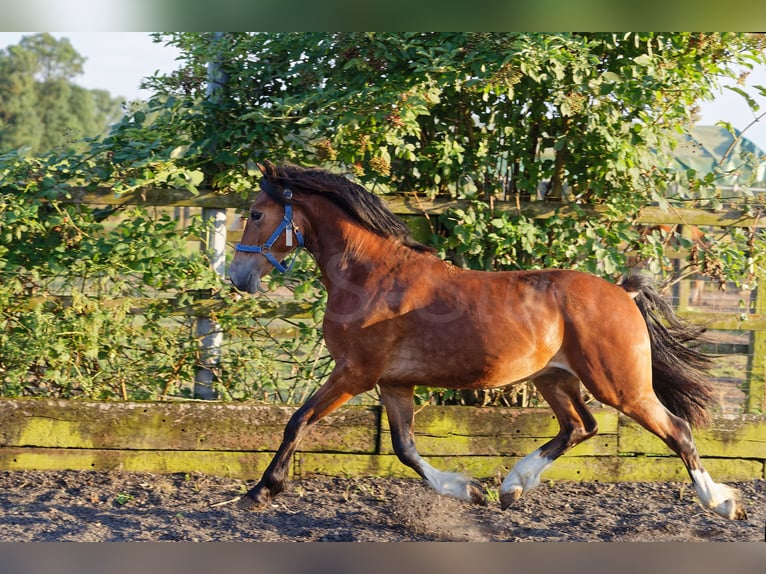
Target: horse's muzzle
{"points": [[247, 280]]}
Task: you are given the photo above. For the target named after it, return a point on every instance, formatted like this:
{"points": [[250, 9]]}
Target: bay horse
{"points": [[397, 316]]}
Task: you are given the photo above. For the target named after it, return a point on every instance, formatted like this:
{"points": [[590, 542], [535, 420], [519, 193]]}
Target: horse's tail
{"points": [[679, 372]]}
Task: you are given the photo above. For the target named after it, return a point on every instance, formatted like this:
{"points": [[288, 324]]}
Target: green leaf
{"points": [[179, 151], [643, 60], [754, 105]]}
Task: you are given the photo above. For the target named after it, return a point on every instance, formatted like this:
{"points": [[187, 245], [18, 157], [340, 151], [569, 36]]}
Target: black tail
{"points": [[679, 373]]}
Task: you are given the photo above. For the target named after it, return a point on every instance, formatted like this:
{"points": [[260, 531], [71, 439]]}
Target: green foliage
{"points": [[480, 238], [94, 306], [68, 280], [439, 112]]}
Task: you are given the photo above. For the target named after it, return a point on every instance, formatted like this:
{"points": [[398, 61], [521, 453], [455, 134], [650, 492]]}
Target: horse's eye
{"points": [[256, 215]]}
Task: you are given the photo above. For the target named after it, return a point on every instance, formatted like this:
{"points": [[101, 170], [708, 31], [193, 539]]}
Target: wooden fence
{"points": [[239, 440]]}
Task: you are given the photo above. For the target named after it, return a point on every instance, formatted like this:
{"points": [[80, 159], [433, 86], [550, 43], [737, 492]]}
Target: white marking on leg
{"points": [[525, 475], [720, 498], [449, 483]]}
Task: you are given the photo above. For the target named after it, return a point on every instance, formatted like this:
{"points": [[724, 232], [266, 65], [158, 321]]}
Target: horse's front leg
{"points": [[274, 478], [336, 391]]}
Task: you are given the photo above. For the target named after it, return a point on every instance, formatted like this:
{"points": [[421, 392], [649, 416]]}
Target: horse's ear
{"points": [[267, 167]]}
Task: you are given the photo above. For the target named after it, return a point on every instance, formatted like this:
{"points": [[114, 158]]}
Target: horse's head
{"points": [[272, 231]]}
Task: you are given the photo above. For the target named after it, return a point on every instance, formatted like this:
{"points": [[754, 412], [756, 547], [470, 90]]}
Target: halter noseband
{"points": [[285, 225]]}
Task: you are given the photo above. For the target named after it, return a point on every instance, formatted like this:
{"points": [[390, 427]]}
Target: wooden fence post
{"points": [[683, 287], [755, 401]]}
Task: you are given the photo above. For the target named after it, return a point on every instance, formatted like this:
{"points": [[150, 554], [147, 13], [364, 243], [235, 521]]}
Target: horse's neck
{"points": [[349, 249], [347, 253]]}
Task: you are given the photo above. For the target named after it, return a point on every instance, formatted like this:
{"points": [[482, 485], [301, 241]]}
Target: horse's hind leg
{"points": [[676, 433], [400, 411], [561, 390]]}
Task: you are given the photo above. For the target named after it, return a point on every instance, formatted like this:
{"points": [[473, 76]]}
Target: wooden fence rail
{"points": [[412, 204], [239, 440]]}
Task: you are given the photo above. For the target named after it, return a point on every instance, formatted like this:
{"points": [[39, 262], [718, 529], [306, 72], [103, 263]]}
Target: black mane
{"points": [[368, 209]]}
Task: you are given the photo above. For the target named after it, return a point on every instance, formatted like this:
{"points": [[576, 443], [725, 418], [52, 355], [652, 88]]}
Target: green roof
{"points": [[704, 149]]}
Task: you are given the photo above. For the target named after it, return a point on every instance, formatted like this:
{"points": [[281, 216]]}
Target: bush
{"points": [[95, 303]]}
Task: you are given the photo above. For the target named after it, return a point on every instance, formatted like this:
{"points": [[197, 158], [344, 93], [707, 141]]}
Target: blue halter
{"points": [[285, 225]]}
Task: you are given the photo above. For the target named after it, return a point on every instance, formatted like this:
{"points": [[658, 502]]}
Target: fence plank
{"points": [[158, 197], [568, 467], [408, 203], [269, 309], [244, 465], [495, 431], [727, 321], [729, 437], [251, 465], [208, 426]]}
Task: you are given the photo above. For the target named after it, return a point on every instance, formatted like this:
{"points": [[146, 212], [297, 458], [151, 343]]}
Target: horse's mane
{"points": [[368, 209]]}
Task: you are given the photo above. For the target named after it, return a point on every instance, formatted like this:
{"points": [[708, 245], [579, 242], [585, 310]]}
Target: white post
{"points": [[214, 243], [210, 334]]}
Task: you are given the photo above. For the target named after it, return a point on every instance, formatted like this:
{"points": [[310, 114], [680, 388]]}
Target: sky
{"points": [[117, 62]]}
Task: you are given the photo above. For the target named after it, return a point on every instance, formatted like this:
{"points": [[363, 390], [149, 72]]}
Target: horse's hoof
{"points": [[740, 513], [253, 503], [733, 509], [476, 494], [510, 497]]}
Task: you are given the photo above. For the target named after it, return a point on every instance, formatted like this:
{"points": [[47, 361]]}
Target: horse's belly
{"points": [[457, 370]]}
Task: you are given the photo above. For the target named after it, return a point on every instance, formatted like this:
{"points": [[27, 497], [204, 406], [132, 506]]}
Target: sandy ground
{"points": [[111, 506]]}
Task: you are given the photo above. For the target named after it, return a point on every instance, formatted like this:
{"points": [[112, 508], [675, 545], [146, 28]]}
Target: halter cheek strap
{"points": [[289, 228]]}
